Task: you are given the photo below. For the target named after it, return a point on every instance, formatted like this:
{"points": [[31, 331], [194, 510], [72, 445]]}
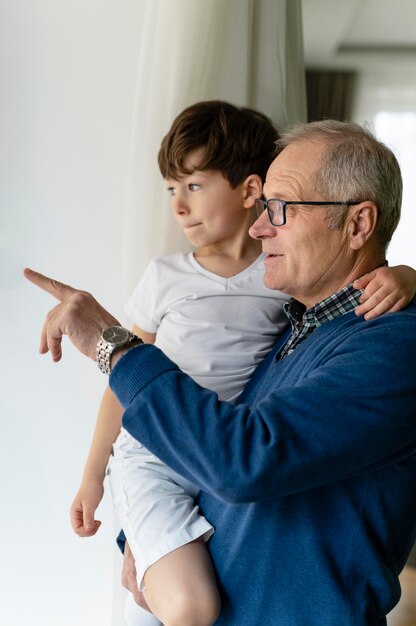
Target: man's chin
{"points": [[271, 282]]}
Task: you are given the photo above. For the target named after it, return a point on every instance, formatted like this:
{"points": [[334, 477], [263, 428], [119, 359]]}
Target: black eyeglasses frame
{"points": [[284, 203]]}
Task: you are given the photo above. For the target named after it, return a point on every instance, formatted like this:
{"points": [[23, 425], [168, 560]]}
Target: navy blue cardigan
{"points": [[309, 480]]}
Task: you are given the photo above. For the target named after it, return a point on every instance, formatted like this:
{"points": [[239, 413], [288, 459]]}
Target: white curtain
{"points": [[248, 52], [67, 75]]}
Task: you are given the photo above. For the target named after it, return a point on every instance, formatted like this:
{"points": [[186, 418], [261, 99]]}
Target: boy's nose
{"points": [[179, 205]]}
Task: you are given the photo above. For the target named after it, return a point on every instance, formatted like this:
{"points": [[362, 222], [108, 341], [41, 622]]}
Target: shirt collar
{"points": [[339, 303]]}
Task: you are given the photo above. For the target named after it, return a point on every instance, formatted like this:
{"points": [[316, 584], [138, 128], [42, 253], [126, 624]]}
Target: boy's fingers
{"points": [[366, 285], [58, 290], [77, 522], [381, 308], [81, 531], [90, 524], [386, 305], [374, 290], [362, 282], [91, 530], [75, 514], [372, 302]]}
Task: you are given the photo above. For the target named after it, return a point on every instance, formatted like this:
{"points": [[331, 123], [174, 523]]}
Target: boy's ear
{"points": [[252, 189]]}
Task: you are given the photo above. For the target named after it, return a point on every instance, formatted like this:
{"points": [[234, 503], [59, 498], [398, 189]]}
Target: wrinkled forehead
{"points": [[293, 170]]}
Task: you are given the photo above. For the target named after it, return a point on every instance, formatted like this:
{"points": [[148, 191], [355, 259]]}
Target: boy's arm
{"points": [[386, 289], [107, 428], [91, 490]]}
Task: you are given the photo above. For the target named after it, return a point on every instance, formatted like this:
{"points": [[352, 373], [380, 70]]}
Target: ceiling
{"points": [[355, 34]]}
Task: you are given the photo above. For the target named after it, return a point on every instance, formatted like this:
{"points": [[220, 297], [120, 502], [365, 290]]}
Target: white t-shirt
{"points": [[215, 329]]}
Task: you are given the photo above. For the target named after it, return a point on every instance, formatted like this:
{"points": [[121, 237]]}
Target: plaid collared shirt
{"points": [[304, 322]]}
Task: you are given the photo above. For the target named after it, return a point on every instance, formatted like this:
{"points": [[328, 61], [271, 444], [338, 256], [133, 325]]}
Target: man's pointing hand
{"points": [[78, 315]]}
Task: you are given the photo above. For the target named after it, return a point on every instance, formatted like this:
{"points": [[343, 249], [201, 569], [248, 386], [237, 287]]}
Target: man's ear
{"points": [[361, 223], [252, 188]]}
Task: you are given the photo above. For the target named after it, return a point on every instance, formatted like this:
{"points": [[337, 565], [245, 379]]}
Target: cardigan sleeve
{"points": [[355, 412]]}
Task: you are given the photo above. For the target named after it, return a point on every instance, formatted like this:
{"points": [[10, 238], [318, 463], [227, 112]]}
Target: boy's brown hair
{"points": [[237, 141]]}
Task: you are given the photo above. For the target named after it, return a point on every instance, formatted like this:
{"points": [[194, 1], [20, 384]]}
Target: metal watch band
{"points": [[105, 350]]}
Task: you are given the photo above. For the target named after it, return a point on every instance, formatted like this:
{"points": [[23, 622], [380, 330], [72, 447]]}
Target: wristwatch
{"points": [[111, 340]]}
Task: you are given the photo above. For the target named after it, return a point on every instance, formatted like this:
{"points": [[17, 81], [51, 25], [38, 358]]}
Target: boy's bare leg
{"points": [[180, 588], [135, 615]]}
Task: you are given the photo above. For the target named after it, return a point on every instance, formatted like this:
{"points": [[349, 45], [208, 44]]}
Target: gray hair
{"points": [[354, 167]]}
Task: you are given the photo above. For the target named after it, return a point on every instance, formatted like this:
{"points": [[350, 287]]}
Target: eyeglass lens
{"points": [[274, 209]]}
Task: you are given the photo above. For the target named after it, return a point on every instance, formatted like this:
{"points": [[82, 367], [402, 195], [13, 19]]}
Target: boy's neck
{"points": [[228, 261]]}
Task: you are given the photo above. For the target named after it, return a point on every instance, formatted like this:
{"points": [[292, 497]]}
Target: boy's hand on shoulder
{"points": [[386, 289], [83, 508]]}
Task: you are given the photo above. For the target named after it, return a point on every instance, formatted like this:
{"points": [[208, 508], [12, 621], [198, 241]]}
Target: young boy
{"points": [[210, 313]]}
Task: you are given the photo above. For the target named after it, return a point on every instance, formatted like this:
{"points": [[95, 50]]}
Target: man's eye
{"points": [[171, 190], [194, 187]]}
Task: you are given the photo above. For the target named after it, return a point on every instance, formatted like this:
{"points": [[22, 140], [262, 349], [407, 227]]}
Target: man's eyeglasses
{"points": [[276, 209]]}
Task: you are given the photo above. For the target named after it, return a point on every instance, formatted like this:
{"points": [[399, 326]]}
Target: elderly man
{"points": [[309, 478]]}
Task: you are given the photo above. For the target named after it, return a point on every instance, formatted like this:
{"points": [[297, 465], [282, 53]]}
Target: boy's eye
{"points": [[194, 187], [171, 190]]}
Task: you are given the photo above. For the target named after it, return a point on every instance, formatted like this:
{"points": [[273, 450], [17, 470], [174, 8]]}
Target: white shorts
{"points": [[155, 504]]}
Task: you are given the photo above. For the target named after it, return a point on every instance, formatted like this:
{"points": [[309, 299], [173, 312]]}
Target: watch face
{"points": [[116, 335]]}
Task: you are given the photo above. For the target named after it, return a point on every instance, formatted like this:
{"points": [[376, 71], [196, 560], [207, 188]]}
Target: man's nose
{"points": [[262, 228]]}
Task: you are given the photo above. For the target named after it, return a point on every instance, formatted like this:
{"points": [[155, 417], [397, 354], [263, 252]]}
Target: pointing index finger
{"points": [[58, 290]]}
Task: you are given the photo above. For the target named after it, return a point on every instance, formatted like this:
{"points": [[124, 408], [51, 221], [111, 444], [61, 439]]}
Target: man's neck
{"points": [[357, 269]]}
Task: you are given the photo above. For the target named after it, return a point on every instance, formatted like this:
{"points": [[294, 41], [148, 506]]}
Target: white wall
{"points": [[67, 80]]}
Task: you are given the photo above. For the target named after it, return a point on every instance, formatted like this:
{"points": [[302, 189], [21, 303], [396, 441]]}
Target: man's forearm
{"points": [[298, 436]]}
